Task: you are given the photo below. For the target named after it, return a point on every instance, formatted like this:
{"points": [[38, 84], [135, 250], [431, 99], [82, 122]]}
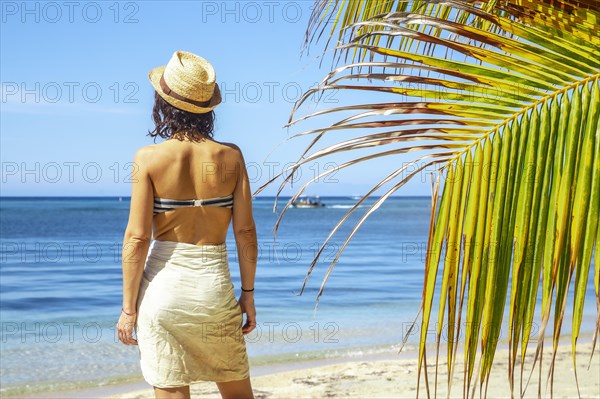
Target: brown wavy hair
{"points": [[174, 122]]}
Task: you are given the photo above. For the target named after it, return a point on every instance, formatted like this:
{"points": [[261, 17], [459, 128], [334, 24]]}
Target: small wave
{"points": [[347, 353], [344, 206]]}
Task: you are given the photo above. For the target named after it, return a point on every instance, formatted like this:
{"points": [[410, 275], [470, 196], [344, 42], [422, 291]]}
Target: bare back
{"points": [[188, 170]]}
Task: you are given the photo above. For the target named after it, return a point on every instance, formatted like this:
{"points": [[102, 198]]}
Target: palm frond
{"points": [[504, 98]]}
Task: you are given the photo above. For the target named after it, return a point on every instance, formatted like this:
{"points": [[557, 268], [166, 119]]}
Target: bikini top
{"points": [[166, 204]]}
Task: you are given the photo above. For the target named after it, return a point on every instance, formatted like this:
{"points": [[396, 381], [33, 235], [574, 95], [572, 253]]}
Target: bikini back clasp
{"points": [[168, 204]]}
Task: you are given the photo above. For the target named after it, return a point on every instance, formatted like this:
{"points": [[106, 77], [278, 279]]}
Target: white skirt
{"points": [[189, 324]]}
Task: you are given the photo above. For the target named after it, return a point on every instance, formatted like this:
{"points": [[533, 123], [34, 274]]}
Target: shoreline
{"points": [[398, 378], [382, 374], [256, 371]]}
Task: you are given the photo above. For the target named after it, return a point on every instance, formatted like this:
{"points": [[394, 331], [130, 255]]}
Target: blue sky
{"points": [[76, 100]]}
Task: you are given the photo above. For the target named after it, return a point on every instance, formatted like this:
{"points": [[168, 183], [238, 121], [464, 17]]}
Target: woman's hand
{"points": [[246, 302], [125, 328]]}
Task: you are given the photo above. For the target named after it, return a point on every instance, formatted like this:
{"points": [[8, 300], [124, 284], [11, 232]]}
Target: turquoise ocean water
{"points": [[60, 297]]}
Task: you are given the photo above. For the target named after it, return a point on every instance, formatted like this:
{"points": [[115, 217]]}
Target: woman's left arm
{"points": [[136, 243]]}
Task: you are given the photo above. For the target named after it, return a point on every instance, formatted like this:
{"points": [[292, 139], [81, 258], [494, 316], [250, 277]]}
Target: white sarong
{"points": [[189, 322]]}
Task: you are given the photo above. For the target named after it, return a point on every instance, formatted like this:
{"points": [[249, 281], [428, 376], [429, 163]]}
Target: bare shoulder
{"points": [[145, 151], [233, 150], [230, 145], [143, 156]]}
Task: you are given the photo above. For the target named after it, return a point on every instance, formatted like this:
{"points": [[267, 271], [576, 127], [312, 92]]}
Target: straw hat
{"points": [[187, 82]]}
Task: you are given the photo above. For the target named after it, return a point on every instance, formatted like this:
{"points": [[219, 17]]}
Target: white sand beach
{"points": [[398, 378]]}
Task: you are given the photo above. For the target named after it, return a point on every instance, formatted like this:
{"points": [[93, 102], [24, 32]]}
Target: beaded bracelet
{"points": [[247, 290]]}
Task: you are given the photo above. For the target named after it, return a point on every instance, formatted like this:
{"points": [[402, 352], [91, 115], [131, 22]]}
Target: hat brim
{"points": [[155, 76]]}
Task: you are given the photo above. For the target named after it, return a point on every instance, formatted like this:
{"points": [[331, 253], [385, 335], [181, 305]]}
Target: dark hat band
{"points": [[167, 90]]}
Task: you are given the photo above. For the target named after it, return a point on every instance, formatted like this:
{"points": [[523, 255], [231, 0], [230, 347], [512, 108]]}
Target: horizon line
{"points": [[258, 196]]}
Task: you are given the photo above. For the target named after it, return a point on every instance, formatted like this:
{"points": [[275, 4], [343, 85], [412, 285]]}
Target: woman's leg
{"points": [[241, 389], [172, 393]]}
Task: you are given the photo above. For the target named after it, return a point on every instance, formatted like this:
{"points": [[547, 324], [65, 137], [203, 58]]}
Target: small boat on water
{"points": [[307, 202]]}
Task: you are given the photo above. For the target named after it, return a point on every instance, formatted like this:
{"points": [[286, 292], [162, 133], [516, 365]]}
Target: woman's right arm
{"points": [[244, 231]]}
